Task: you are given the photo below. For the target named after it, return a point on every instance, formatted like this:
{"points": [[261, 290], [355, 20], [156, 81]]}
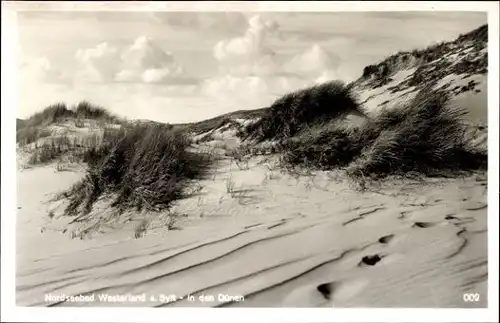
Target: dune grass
{"points": [[55, 146], [424, 137], [50, 114], [301, 109], [59, 111], [143, 167]]}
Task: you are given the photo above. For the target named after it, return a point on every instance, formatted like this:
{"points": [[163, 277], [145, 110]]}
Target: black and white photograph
{"points": [[251, 158]]}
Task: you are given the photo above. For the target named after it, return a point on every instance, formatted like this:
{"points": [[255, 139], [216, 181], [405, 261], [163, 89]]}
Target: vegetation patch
{"points": [[142, 167], [299, 110], [426, 136]]}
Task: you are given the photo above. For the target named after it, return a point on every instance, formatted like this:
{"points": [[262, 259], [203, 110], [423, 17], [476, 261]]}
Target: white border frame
{"points": [[8, 199]]}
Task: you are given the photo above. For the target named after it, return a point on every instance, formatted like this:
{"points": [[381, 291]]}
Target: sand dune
{"points": [[276, 241]]}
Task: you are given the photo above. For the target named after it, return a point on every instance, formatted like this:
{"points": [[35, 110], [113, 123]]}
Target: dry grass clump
{"points": [[59, 111], [427, 137], [145, 167], [50, 114], [30, 130], [87, 110], [298, 110]]}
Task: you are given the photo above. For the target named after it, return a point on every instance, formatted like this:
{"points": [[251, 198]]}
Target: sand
{"points": [[275, 240]]}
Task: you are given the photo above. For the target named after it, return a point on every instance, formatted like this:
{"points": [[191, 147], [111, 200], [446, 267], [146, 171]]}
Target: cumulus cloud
{"points": [[253, 74], [250, 53], [143, 61], [248, 69], [97, 64], [313, 63]]}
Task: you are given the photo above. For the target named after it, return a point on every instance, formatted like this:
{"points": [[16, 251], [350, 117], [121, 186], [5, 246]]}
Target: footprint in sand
{"points": [[386, 239], [339, 291], [324, 295], [370, 260], [304, 296], [423, 225], [459, 220]]}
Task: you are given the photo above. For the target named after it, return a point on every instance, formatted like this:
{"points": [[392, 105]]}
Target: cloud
{"points": [[248, 92], [142, 61], [250, 53], [146, 62], [97, 64], [250, 85], [39, 69], [312, 63], [248, 68], [252, 74]]}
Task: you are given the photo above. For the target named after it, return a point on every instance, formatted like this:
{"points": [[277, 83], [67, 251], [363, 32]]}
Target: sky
{"points": [[189, 66]]}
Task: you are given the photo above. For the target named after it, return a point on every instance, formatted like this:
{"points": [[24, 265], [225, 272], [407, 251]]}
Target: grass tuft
{"points": [[299, 110], [143, 167]]}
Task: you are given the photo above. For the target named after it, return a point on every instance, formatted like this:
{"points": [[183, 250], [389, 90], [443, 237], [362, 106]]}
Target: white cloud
{"points": [[248, 92], [39, 70], [97, 64], [249, 86], [253, 75], [250, 53], [248, 68], [312, 63], [143, 61], [156, 75]]}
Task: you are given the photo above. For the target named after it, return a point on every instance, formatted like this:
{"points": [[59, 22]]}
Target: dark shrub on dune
{"points": [[298, 110], [322, 147], [145, 166]]}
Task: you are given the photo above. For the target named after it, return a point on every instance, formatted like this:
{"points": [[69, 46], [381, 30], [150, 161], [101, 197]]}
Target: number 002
{"points": [[471, 297]]}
